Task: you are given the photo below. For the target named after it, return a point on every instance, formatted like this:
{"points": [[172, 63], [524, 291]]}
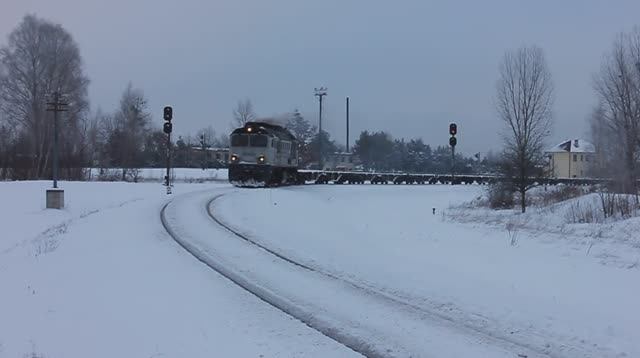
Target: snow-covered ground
{"points": [[558, 296], [194, 175], [102, 278], [369, 266], [576, 226]]}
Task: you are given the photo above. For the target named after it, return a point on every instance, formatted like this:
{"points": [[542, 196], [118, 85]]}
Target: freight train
{"points": [[263, 154]]}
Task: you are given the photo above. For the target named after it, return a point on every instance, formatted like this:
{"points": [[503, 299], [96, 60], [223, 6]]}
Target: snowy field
{"points": [[558, 291], [369, 266], [103, 279], [191, 175]]}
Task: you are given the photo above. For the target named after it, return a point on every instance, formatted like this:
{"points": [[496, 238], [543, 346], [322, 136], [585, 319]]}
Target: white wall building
{"points": [[571, 159]]}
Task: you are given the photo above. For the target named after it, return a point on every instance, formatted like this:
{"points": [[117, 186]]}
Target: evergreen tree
{"points": [[155, 149], [328, 146], [374, 150], [305, 133]]}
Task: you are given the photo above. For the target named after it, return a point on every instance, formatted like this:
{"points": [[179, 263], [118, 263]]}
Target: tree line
{"points": [[379, 151], [40, 58], [615, 119]]}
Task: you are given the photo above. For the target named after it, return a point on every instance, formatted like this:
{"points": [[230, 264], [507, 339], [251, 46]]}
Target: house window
{"points": [[586, 159], [218, 156], [575, 157], [581, 157]]}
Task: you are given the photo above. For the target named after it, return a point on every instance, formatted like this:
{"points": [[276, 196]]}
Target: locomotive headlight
{"points": [[234, 158], [261, 159]]}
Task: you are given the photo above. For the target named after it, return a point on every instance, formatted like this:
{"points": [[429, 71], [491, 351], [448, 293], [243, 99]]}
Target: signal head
{"points": [[168, 113], [453, 129], [167, 128]]}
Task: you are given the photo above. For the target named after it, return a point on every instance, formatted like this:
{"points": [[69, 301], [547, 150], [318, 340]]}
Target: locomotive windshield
{"points": [[259, 141], [239, 140], [243, 140]]}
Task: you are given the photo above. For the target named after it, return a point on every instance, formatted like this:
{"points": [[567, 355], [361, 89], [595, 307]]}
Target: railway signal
{"points": [[168, 113], [168, 116], [203, 147], [453, 130], [167, 127]]}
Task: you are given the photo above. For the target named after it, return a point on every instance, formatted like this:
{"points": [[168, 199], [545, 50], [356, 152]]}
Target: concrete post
{"points": [[55, 199]]}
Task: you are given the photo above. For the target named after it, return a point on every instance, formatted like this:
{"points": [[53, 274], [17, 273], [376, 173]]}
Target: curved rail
{"points": [[523, 346], [510, 341], [350, 342]]}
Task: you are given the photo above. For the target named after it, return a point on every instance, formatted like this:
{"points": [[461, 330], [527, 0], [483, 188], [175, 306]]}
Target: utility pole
{"points": [[347, 124], [56, 105], [55, 196], [320, 93]]}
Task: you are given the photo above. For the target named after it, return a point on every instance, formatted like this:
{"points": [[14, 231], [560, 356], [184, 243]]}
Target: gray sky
{"points": [[409, 67]]}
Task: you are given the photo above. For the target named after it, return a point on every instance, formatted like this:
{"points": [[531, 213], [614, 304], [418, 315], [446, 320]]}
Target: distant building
{"points": [[571, 159], [341, 161], [215, 157]]}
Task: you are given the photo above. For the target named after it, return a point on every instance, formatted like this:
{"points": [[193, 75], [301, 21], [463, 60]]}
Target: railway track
{"points": [[264, 295], [533, 344]]}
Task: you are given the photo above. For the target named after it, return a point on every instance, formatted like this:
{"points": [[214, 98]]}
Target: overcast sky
{"points": [[409, 67]]}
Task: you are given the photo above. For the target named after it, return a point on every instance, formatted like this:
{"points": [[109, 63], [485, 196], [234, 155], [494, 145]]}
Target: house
{"points": [[571, 159]]}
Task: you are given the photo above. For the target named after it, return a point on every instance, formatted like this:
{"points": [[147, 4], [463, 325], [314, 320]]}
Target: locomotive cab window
{"points": [[239, 140], [259, 141]]}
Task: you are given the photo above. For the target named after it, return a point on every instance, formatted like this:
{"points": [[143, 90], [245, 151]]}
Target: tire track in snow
{"points": [[513, 342]]}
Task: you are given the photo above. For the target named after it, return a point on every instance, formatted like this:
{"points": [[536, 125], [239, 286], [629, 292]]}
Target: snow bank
{"points": [[577, 223]]}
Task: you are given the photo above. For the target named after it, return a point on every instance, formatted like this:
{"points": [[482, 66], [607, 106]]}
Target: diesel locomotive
{"points": [[263, 154]]}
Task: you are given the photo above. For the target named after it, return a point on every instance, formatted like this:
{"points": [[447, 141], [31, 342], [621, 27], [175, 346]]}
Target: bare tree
{"points": [[41, 58], [524, 103], [206, 138], [133, 118], [243, 113], [603, 138], [209, 135], [6, 144], [618, 87]]}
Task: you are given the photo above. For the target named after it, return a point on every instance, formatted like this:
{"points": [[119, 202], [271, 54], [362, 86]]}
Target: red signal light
{"points": [[453, 129]]}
